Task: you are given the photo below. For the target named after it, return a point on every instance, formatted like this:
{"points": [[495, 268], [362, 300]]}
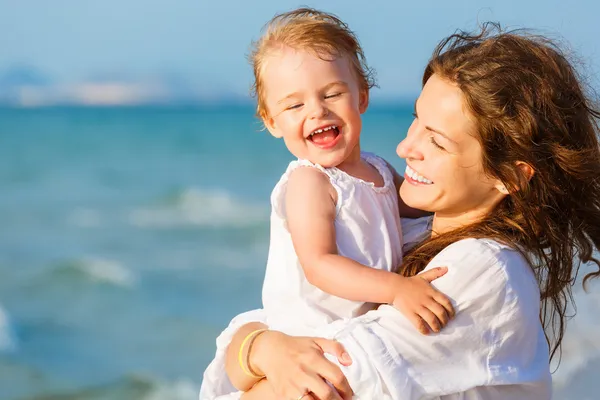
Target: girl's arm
{"points": [[310, 204]]}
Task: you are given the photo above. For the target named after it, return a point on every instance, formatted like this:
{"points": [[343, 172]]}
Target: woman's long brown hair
{"points": [[529, 106]]}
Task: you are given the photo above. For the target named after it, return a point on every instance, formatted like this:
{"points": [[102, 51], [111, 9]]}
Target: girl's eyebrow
{"points": [[326, 87], [336, 83], [289, 96]]}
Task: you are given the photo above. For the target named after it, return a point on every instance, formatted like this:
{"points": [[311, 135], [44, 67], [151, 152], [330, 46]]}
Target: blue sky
{"points": [[206, 41]]}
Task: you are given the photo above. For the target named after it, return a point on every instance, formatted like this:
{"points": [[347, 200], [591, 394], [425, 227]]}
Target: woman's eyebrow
{"points": [[429, 128]]}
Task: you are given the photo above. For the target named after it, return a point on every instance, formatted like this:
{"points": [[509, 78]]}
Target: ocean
{"points": [[131, 236]]}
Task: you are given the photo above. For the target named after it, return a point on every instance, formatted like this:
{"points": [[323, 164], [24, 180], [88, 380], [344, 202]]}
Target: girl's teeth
{"points": [[324, 129]]}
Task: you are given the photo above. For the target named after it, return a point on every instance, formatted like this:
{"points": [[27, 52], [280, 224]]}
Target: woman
{"points": [[504, 151]]}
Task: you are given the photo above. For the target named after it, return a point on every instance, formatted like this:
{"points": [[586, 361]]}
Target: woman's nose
{"points": [[409, 148]]}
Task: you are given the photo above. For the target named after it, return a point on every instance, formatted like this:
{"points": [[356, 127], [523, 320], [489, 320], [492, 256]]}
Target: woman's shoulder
{"points": [[489, 252], [480, 265]]}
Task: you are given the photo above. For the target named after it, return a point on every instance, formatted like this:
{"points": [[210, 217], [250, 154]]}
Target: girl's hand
{"points": [[427, 308], [297, 365]]}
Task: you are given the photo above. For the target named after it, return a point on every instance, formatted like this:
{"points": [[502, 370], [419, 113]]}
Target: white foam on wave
{"points": [[580, 344], [85, 218], [179, 390], [213, 208], [8, 340], [239, 257], [108, 271]]}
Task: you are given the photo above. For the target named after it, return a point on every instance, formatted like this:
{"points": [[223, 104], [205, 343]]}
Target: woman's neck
{"points": [[443, 222]]}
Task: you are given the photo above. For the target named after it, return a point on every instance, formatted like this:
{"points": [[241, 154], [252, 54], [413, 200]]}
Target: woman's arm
{"points": [[237, 376], [215, 382], [495, 342], [285, 360], [263, 391]]}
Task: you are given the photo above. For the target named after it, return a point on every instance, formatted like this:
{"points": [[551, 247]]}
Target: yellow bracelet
{"points": [[249, 339]]}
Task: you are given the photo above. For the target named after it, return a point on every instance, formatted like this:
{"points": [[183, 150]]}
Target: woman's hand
{"points": [[263, 391], [297, 365]]}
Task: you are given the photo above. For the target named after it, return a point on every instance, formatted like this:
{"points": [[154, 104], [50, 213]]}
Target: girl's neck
{"points": [[360, 169], [353, 162]]}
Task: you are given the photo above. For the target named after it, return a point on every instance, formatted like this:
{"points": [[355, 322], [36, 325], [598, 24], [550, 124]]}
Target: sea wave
{"points": [[580, 345], [198, 207], [8, 339], [182, 389], [99, 270], [131, 388], [85, 218]]}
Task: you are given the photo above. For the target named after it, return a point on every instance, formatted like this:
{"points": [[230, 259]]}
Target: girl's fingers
{"points": [[442, 299], [439, 311], [433, 274], [431, 319]]}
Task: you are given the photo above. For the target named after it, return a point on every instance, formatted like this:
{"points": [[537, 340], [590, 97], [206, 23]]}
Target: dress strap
{"points": [[278, 194]]}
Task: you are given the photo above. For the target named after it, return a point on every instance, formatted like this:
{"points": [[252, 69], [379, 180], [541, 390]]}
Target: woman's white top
{"points": [[367, 230], [494, 349]]}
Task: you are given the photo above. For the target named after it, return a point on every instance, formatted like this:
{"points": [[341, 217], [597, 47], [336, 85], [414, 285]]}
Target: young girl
{"points": [[336, 238], [335, 229]]}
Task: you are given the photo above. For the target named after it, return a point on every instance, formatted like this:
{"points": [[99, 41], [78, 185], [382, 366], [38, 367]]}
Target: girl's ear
{"points": [[363, 101], [272, 127]]}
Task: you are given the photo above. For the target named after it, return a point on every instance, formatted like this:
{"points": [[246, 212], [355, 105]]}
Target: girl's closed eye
{"points": [[332, 95], [294, 106], [436, 144]]}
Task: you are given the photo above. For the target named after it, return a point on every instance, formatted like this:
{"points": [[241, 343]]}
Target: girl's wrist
{"points": [[394, 287]]}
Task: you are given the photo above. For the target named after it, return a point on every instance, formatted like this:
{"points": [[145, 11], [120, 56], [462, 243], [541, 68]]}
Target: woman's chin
{"points": [[413, 200]]}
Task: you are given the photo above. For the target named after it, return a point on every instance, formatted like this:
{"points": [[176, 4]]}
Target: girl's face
{"points": [[444, 172], [315, 105]]}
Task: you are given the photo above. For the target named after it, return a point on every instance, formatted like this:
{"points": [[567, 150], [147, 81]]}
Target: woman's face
{"points": [[444, 172]]}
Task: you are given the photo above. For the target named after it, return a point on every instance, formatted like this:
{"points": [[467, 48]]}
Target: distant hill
{"points": [[29, 87]]}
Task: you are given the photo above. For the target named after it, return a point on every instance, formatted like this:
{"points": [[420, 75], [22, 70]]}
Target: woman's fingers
{"points": [[334, 348], [334, 375], [322, 390], [298, 365]]}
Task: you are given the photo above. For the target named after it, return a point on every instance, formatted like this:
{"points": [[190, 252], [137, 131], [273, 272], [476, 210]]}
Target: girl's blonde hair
{"points": [[321, 33]]}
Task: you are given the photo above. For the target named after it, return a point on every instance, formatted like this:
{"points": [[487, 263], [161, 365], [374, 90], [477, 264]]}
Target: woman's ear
{"points": [[527, 170], [524, 175]]}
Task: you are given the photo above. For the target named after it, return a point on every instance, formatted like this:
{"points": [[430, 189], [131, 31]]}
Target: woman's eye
{"points": [[436, 144], [294, 107], [329, 96]]}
